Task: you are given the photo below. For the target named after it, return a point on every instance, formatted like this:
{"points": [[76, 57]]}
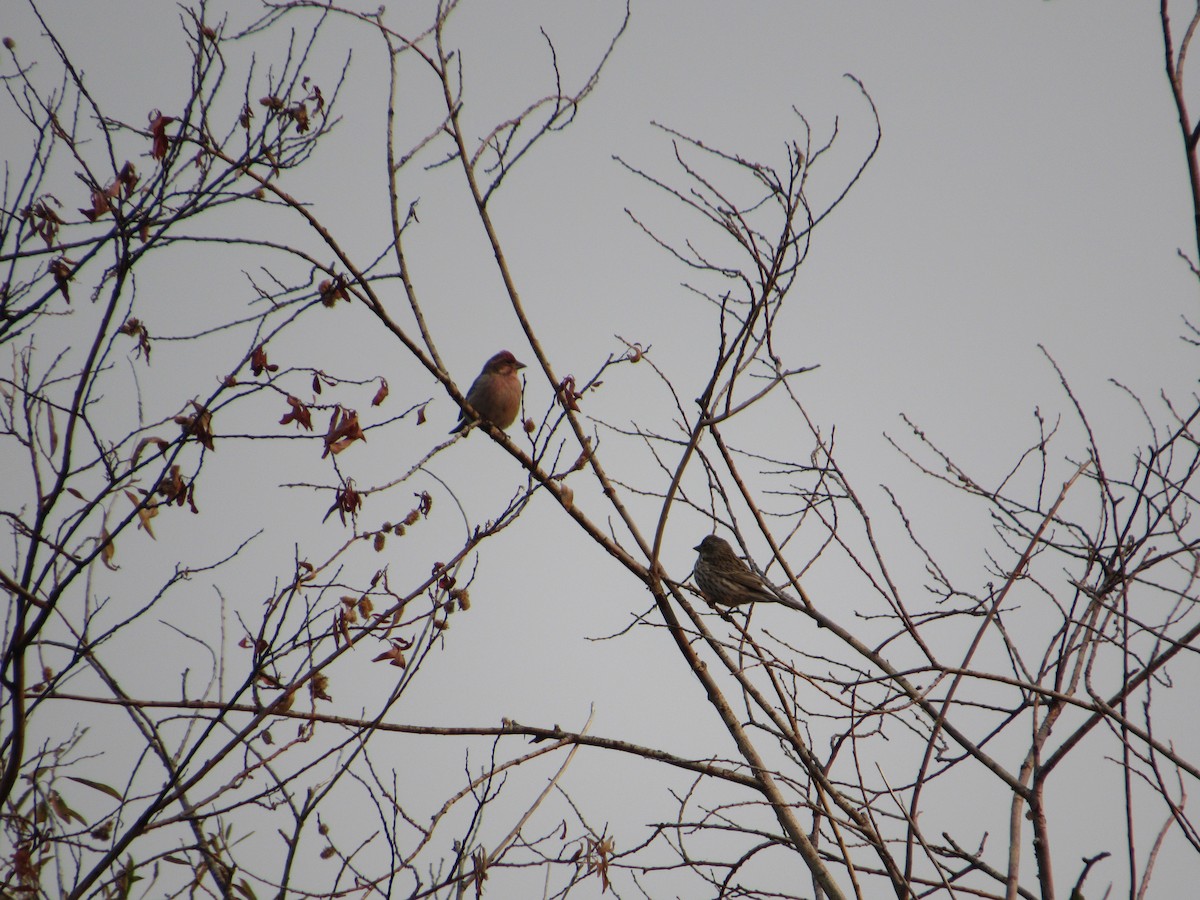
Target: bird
{"points": [[495, 394], [724, 579]]}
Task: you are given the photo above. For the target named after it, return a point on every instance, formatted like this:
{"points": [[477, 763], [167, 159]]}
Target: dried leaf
{"points": [[567, 395], [61, 270], [100, 205], [300, 414], [343, 431], [108, 550], [394, 654], [158, 442], [44, 220], [347, 500], [198, 426], [128, 178], [145, 514], [381, 394], [158, 131], [172, 487], [135, 328], [258, 361], [96, 785], [64, 812]]}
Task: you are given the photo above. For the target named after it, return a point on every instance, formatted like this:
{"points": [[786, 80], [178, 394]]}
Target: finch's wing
{"points": [[462, 413], [749, 581]]}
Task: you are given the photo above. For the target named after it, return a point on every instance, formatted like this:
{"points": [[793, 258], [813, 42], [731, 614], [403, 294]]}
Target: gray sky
{"points": [[1030, 189]]}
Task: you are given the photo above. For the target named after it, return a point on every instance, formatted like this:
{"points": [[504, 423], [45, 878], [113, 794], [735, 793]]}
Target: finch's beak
{"points": [[697, 548]]}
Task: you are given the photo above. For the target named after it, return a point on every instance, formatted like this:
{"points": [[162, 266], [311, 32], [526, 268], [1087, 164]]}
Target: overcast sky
{"points": [[1030, 189]]}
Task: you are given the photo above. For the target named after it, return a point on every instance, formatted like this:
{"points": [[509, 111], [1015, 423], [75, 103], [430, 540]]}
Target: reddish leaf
{"points": [[567, 394], [394, 654], [198, 426], [343, 431], [347, 500], [158, 131], [44, 220], [299, 414], [381, 394], [100, 206], [61, 270], [258, 361], [172, 487], [128, 178], [134, 328]]}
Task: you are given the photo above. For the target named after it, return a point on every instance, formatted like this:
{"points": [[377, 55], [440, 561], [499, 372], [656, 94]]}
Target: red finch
{"points": [[723, 578], [495, 394]]}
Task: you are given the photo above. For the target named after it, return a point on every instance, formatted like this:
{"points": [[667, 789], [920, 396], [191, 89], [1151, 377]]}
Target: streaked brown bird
{"points": [[723, 578], [495, 394]]}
